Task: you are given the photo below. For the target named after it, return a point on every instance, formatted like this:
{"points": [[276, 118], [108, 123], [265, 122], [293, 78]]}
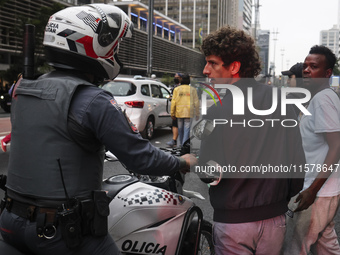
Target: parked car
{"points": [[145, 101], [5, 102]]}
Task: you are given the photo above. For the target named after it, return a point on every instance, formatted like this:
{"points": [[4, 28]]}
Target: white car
{"points": [[145, 101]]}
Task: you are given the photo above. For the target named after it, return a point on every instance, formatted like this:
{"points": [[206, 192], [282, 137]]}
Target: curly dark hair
{"points": [[231, 45], [329, 55]]}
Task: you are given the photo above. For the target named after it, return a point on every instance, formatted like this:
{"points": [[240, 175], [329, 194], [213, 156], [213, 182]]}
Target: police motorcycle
{"points": [[154, 215]]}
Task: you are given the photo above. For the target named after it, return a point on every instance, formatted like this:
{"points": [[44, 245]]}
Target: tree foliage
{"points": [[167, 79], [336, 69]]}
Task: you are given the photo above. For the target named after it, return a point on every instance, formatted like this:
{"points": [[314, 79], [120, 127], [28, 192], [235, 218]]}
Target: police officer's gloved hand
{"points": [[187, 161]]}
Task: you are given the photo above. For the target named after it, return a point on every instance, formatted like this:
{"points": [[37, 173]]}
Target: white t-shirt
{"points": [[325, 118]]}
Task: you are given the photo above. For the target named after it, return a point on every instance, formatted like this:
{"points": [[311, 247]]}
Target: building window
{"points": [[166, 33], [143, 23], [172, 36], [2, 59], [134, 19], [4, 36], [159, 30]]}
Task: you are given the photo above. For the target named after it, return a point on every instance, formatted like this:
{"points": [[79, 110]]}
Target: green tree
{"points": [[167, 79], [336, 69]]}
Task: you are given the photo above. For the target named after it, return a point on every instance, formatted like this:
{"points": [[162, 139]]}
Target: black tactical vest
{"points": [[40, 139]]}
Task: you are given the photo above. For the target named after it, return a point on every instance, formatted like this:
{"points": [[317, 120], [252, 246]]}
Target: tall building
{"points": [[170, 56], [12, 14], [263, 46], [245, 15], [205, 16], [330, 38], [338, 14]]}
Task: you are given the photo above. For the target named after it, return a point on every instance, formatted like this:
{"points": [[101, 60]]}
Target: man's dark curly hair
{"points": [[329, 55], [232, 45]]}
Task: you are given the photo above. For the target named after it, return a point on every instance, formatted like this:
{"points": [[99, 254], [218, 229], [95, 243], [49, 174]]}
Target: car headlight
{"points": [[2, 97]]}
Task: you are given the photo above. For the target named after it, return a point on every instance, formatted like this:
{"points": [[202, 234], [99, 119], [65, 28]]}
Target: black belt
{"points": [[45, 218], [28, 211]]}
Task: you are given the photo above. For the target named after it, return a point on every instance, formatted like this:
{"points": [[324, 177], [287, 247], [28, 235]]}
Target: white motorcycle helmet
{"points": [[87, 38]]}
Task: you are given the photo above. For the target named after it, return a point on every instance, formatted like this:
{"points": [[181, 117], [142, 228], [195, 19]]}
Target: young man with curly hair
{"points": [[249, 208]]}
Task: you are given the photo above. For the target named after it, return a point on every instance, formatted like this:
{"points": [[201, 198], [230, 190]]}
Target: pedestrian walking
{"points": [[184, 107]]}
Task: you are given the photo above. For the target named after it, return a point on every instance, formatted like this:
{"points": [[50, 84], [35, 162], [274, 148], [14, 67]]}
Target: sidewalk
{"points": [[5, 126]]}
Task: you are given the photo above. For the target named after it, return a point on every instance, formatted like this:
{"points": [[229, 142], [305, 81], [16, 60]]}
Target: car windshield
{"points": [[120, 88]]}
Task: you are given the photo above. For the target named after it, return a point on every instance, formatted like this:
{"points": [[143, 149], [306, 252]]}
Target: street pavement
{"points": [[5, 125]]}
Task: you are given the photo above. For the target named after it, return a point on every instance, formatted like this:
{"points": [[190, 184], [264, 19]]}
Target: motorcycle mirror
{"points": [[203, 129], [212, 177], [109, 156]]}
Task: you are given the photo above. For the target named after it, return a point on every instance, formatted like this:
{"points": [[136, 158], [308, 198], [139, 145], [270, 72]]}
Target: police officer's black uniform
{"points": [[69, 122]]}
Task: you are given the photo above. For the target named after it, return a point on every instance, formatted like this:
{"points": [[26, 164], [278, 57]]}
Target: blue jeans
{"points": [[184, 125]]}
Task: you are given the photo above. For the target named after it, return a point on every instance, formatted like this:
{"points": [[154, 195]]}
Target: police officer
{"points": [[61, 123]]}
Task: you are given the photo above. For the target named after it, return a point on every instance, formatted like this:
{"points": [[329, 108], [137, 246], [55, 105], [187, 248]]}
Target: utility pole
{"points": [[208, 28], [282, 54], [257, 7], [194, 27], [274, 39], [150, 37]]}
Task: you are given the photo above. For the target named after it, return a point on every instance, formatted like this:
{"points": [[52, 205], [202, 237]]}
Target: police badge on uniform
{"points": [[115, 104], [132, 126]]}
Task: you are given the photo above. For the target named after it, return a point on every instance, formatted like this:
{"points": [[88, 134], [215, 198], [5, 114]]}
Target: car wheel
{"points": [[147, 133], [7, 108]]}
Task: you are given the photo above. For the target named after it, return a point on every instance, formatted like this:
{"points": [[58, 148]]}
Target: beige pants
{"points": [[314, 226]]}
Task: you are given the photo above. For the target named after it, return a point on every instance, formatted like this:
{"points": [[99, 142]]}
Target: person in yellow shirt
{"points": [[173, 142], [184, 106]]}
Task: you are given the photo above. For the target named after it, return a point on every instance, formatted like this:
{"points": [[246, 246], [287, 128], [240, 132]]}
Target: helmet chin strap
{"points": [[117, 64], [121, 65]]}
